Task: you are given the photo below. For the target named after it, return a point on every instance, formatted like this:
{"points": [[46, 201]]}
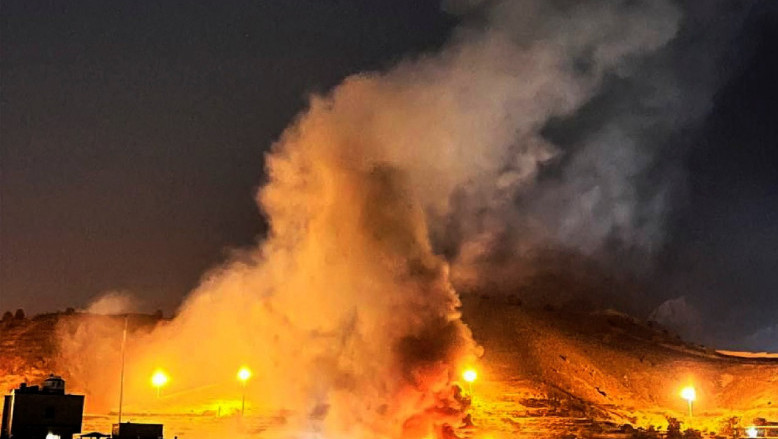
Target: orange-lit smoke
{"points": [[345, 313]]}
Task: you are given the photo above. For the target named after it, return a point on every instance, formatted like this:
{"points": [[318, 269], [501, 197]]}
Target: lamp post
{"points": [[690, 395], [121, 379], [243, 376], [470, 375]]}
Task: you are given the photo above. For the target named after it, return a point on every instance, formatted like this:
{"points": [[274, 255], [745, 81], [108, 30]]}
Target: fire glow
{"points": [[347, 311]]}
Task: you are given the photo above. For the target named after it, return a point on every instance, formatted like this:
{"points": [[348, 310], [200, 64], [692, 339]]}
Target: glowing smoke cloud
{"points": [[345, 313]]}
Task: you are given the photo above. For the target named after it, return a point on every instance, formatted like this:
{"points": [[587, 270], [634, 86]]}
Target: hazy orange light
{"points": [[244, 374], [159, 378], [470, 375], [689, 394]]}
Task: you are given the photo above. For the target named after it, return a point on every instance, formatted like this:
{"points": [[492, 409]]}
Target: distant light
{"points": [[159, 378], [752, 431], [689, 394], [244, 374], [53, 436], [470, 375]]}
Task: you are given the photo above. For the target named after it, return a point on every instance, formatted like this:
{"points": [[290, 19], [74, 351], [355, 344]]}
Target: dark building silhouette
{"points": [[129, 430], [32, 412]]}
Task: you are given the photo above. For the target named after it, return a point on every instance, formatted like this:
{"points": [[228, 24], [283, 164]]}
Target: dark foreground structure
{"points": [[129, 430], [32, 412]]}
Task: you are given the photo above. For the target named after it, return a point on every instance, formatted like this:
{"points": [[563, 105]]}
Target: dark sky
{"points": [[722, 253], [133, 134]]}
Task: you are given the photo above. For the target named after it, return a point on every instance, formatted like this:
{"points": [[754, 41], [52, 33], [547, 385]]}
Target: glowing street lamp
{"points": [[470, 375], [690, 395], [752, 431], [243, 376], [159, 379]]}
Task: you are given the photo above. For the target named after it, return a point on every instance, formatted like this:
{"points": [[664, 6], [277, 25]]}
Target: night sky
{"points": [[133, 135]]}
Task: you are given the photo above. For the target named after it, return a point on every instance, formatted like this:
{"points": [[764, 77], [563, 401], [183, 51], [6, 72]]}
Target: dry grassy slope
{"points": [[28, 347], [607, 366], [538, 366]]}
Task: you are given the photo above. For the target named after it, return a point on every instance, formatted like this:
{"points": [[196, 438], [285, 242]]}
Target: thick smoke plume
{"points": [[346, 312], [586, 221]]}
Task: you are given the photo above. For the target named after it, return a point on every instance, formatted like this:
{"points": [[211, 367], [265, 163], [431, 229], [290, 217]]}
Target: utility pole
{"points": [[121, 380]]}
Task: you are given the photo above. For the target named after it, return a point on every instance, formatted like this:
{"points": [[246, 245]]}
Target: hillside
{"points": [[544, 372], [28, 347], [605, 366]]}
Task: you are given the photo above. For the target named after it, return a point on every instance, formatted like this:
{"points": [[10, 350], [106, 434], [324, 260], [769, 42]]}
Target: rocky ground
{"points": [[588, 373], [27, 347], [545, 373]]}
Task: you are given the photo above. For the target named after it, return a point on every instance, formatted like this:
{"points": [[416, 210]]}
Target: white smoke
{"points": [[113, 303], [680, 316], [595, 166]]}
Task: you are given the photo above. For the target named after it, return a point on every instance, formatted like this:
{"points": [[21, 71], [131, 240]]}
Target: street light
{"points": [[243, 376], [690, 395], [752, 431], [470, 375], [159, 379]]}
